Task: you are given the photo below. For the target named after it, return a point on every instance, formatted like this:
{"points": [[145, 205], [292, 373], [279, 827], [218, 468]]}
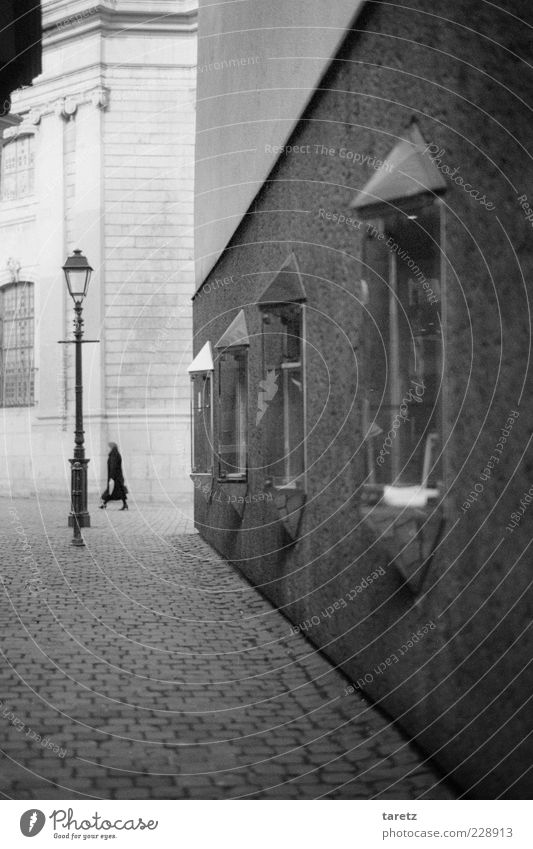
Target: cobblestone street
{"points": [[144, 666]]}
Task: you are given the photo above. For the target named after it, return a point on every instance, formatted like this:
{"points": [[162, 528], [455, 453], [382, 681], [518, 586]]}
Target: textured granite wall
{"points": [[460, 686]]}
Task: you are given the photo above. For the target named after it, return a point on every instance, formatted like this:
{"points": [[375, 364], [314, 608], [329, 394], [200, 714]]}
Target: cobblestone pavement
{"points": [[144, 666]]}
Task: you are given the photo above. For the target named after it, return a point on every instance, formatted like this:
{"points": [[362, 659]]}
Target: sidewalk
{"points": [[144, 666]]}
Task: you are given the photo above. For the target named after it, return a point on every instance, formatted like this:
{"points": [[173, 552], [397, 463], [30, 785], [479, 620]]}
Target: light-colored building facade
{"points": [[101, 159]]}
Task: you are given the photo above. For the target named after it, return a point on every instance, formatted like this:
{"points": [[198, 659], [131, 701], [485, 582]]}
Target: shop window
{"points": [[403, 338], [17, 168], [280, 411], [16, 345], [232, 418], [233, 396], [201, 372], [404, 342], [202, 427]]}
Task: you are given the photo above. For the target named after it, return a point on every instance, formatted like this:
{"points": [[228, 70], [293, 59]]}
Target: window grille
{"points": [[17, 383], [17, 168]]}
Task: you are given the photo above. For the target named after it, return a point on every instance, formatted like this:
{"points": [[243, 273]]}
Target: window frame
{"points": [[13, 136], [207, 374], [297, 482], [240, 353], [373, 491], [29, 383]]}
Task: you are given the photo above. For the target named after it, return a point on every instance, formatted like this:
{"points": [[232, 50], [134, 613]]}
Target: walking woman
{"points": [[115, 490]]}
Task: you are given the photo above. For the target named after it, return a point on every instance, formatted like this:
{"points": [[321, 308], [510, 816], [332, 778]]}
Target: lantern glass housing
{"points": [[77, 273]]}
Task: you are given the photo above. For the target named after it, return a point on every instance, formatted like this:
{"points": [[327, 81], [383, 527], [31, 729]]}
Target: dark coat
{"points": [[114, 472]]}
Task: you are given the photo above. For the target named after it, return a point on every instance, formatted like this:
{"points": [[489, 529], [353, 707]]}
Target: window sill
{"points": [[233, 479], [18, 406], [292, 486], [414, 496], [12, 206]]}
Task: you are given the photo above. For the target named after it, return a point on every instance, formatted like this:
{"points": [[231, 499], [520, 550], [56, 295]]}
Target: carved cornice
{"points": [[24, 128], [65, 20], [100, 97], [63, 107], [73, 28], [66, 107]]}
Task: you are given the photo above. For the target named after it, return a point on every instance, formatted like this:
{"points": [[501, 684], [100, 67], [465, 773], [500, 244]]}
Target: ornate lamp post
{"points": [[78, 273]]}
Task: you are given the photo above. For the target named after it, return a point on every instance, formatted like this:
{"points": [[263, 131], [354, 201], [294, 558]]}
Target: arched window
{"points": [[16, 345]]}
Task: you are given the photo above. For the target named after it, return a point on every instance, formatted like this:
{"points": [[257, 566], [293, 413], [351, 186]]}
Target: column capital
{"points": [[67, 107]]}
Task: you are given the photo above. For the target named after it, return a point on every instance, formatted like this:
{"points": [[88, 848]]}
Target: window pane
{"points": [[17, 372], [404, 351], [377, 323], [281, 398], [9, 157], [16, 168], [233, 413], [294, 422], [201, 422]]}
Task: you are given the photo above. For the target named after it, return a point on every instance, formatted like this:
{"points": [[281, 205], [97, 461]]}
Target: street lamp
{"points": [[78, 273]]}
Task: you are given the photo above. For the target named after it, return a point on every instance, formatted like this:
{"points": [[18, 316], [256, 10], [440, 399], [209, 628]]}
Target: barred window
{"points": [[16, 345], [17, 166]]}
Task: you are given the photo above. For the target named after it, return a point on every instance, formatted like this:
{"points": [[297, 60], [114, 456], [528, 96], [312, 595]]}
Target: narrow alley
{"points": [[145, 666]]}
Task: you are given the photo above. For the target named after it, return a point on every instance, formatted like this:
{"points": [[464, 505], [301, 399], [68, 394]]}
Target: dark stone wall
{"points": [[461, 688]]}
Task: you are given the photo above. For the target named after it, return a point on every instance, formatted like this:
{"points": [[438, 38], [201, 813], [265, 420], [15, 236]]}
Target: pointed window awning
{"points": [[407, 173], [203, 361], [286, 287], [236, 335]]}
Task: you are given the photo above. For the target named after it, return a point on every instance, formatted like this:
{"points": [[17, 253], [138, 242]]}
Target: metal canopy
{"points": [[286, 287], [236, 334], [203, 361], [408, 171]]}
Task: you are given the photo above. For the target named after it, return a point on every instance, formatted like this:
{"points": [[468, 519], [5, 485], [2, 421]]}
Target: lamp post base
{"points": [[79, 516], [83, 519]]}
